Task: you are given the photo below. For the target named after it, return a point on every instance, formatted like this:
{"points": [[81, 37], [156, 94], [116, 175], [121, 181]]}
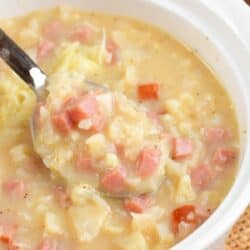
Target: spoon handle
{"points": [[17, 59]]}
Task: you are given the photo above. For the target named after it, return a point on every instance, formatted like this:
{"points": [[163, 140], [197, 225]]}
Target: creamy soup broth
{"points": [[197, 133]]}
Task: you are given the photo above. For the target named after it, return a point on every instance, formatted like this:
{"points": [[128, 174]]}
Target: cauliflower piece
{"points": [[84, 194], [174, 107], [186, 129], [20, 153], [170, 124], [188, 100], [146, 222], [174, 169], [131, 75], [164, 234], [88, 220], [53, 223], [184, 191], [41, 204], [96, 145], [16, 103], [88, 212], [105, 100], [113, 227], [111, 161], [74, 57], [134, 241]]}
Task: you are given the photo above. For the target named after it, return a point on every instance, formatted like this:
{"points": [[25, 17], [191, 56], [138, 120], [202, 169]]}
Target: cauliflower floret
{"points": [[53, 223], [184, 191], [106, 102], [174, 107], [131, 75], [174, 169], [84, 194], [111, 161], [187, 99], [134, 241], [77, 58], [96, 145], [147, 222], [87, 220], [20, 153], [164, 234], [113, 227], [88, 212]]}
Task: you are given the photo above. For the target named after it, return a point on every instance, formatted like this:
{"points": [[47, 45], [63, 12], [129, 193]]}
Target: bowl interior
{"points": [[194, 25]]}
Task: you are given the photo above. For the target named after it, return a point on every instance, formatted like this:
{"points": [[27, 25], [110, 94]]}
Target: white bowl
{"points": [[223, 43]]}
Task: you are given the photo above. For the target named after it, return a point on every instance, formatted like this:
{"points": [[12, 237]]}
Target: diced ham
{"points": [[148, 161], [53, 30], [62, 196], [49, 244], [148, 91], [84, 163], [152, 115], [138, 204], [215, 134], [201, 176], [182, 148], [119, 150], [14, 188], [45, 48], [7, 232], [62, 123], [83, 108], [185, 214], [113, 49], [82, 34], [111, 45], [224, 156], [114, 181], [13, 247], [188, 214]]}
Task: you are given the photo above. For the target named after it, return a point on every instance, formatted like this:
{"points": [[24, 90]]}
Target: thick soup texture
{"points": [[164, 135]]}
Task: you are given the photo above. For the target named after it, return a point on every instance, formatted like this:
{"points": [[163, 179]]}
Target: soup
{"points": [[165, 132]]}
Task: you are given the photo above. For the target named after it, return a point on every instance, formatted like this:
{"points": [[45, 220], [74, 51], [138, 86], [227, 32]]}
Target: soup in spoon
{"points": [[100, 138]]}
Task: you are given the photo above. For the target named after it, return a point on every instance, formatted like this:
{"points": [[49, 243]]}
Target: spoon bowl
{"points": [[30, 72]]}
